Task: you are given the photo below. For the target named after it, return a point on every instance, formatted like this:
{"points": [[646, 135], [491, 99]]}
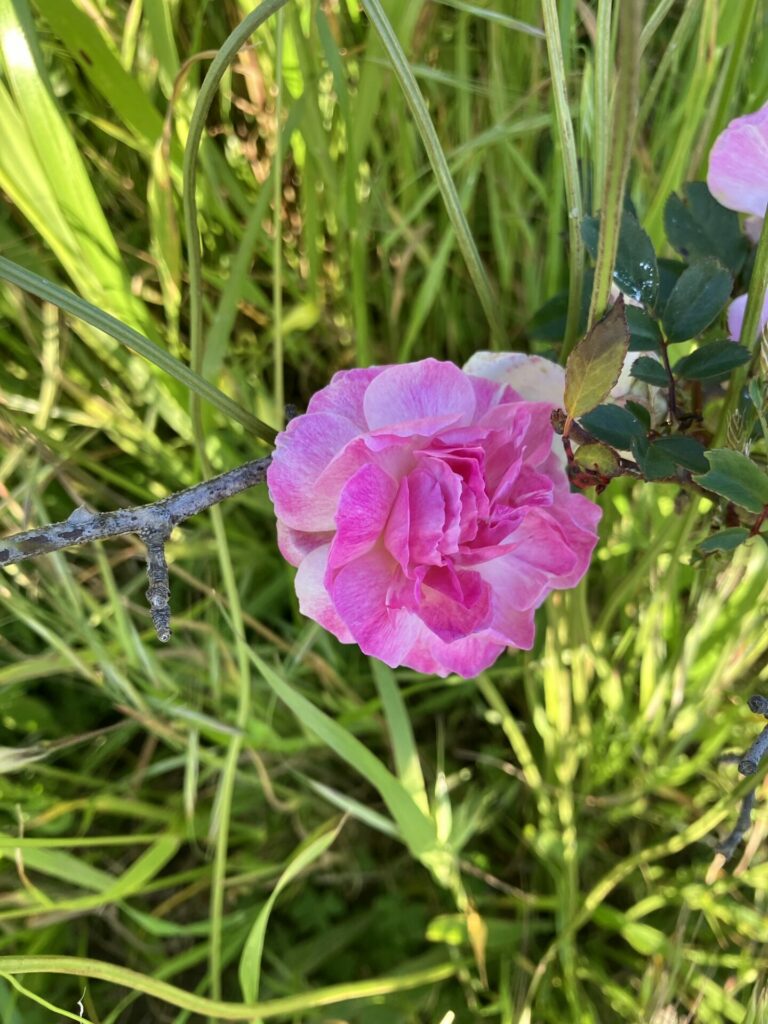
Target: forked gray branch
{"points": [[748, 765], [153, 523]]}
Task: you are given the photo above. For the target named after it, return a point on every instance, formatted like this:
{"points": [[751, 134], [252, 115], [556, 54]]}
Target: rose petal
{"points": [[398, 528], [578, 518], [363, 510], [737, 164], [344, 395], [534, 378], [513, 627], [303, 451], [454, 605], [517, 587], [359, 594], [539, 541], [295, 545], [736, 312], [466, 657], [418, 391], [426, 516], [314, 600]]}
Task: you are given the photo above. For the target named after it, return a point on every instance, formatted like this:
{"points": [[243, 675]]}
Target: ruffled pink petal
{"points": [[737, 164], [468, 466], [344, 395], [517, 587], [521, 430], [490, 391], [466, 657], [426, 515], [295, 545], [736, 312], [314, 600], [418, 391], [578, 518], [542, 543], [398, 528], [454, 605], [414, 434], [303, 452], [359, 594], [424, 519], [524, 486], [363, 510], [513, 627]]}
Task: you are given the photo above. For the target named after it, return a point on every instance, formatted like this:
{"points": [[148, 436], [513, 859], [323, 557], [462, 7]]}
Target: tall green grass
{"points": [[257, 814]]}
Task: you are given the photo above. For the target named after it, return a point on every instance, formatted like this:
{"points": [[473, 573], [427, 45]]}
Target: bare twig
{"points": [[753, 757], [748, 765], [159, 589], [729, 844], [153, 523]]}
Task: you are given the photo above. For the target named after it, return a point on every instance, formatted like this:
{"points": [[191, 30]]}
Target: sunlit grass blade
{"points": [[401, 736], [74, 305], [78, 228], [417, 830], [437, 159], [101, 65], [250, 960], [174, 996]]}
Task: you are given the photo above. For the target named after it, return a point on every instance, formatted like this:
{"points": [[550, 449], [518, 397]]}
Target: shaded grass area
{"points": [[530, 846]]}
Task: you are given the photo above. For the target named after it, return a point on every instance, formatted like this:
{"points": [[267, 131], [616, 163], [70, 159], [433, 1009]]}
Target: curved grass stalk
{"points": [[436, 156], [603, 62], [100, 970], [694, 832], [219, 65], [573, 192], [623, 122], [223, 806], [133, 340], [277, 247]]}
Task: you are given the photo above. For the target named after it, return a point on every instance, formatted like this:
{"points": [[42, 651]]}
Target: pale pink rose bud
{"points": [[753, 227], [736, 312], [738, 178], [737, 175], [427, 515]]}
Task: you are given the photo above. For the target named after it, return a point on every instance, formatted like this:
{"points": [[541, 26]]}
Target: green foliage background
{"points": [[530, 846]]}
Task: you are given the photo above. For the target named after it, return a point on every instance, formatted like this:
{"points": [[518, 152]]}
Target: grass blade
{"points": [[250, 960], [436, 156], [417, 830], [83, 310]]}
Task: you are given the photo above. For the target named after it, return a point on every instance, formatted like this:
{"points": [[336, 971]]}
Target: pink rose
{"points": [[427, 514], [738, 179]]}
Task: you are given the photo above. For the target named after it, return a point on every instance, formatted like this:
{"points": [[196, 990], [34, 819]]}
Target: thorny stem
{"points": [[153, 523]]}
